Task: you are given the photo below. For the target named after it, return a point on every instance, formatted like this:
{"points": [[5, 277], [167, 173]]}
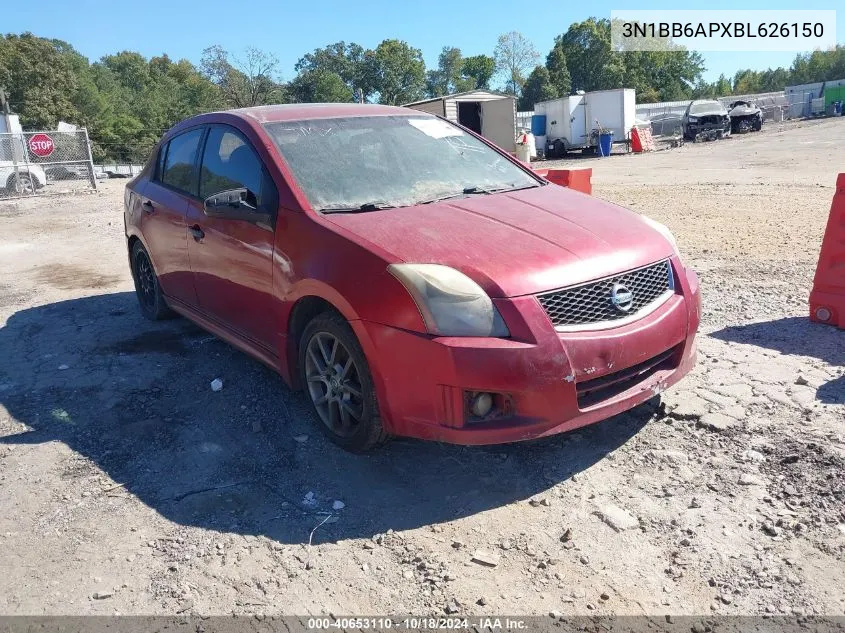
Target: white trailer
{"points": [[573, 122]]}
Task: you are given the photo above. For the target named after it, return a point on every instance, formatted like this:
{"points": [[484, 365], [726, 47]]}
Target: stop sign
{"points": [[41, 145]]}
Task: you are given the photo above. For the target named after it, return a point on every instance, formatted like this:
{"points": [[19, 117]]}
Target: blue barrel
{"points": [[538, 124], [605, 141], [837, 109]]}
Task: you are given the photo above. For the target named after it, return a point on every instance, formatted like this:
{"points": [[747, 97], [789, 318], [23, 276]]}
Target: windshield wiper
{"points": [[468, 191], [367, 206], [521, 187]]}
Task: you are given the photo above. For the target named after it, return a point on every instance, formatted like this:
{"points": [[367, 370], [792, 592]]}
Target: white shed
{"points": [[491, 114]]}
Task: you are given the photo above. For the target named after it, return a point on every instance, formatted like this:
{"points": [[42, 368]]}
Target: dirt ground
{"points": [[128, 486]]}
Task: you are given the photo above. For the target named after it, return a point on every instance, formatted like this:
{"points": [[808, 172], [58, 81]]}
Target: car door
{"points": [[164, 201], [232, 259]]}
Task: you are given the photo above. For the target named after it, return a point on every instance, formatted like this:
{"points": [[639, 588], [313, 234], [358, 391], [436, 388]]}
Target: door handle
{"points": [[147, 206], [197, 232]]}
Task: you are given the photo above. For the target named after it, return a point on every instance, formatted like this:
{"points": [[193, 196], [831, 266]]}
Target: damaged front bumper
{"points": [[707, 124], [542, 381]]}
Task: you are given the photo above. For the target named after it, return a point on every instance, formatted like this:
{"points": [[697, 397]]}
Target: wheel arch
{"points": [[135, 237], [312, 301], [10, 181]]}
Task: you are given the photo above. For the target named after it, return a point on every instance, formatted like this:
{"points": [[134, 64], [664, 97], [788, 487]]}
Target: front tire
{"points": [[147, 288], [337, 380]]}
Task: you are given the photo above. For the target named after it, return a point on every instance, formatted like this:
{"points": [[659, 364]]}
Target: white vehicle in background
{"points": [[25, 179]]}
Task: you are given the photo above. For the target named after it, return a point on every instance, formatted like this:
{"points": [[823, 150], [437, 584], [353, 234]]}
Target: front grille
{"points": [[591, 303]]}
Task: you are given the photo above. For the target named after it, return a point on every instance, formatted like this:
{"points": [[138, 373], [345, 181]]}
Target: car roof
{"points": [[300, 111]]}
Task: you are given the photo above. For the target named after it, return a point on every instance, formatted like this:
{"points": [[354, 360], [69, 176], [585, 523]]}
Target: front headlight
{"points": [[663, 230], [451, 303], [693, 119]]}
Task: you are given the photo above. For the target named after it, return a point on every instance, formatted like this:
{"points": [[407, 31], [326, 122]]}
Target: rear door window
{"points": [[179, 168]]}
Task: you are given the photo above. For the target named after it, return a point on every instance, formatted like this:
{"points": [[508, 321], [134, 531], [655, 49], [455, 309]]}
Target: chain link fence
{"points": [[776, 107], [33, 163], [665, 117]]}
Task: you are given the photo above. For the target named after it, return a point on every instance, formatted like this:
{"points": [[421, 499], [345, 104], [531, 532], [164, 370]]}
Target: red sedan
{"points": [[411, 277]]}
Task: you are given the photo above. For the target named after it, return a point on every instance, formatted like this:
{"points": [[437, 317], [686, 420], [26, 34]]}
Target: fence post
{"points": [[25, 143], [91, 175]]}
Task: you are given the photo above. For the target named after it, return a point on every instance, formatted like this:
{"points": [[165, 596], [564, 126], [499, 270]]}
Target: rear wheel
{"points": [[338, 383], [147, 288]]}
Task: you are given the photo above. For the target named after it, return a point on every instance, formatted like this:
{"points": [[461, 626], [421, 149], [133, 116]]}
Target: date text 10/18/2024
{"points": [[417, 623]]}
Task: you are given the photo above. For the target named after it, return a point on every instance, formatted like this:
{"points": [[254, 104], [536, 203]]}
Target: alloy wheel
{"points": [[146, 280], [334, 384]]}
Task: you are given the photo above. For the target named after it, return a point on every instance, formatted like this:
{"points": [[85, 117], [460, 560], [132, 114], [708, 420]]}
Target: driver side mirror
{"points": [[235, 199], [235, 204]]}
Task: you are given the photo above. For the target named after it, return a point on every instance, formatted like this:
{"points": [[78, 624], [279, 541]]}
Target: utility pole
{"points": [[4, 107], [7, 133]]}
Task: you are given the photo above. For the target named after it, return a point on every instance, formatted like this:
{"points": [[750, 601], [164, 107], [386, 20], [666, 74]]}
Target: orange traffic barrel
{"points": [[827, 299]]}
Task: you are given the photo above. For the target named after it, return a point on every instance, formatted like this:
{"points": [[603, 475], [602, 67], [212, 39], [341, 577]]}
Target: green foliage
{"points": [[558, 70], [127, 101], [448, 76], [514, 56], [592, 63], [397, 71], [319, 86], [538, 87], [40, 77], [479, 69], [393, 73], [347, 61]]}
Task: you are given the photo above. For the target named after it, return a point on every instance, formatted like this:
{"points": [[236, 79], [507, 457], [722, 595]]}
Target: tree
{"points": [[243, 83], [538, 87], [448, 77], [514, 56], [396, 71], [319, 86], [671, 73], [347, 61], [558, 70], [39, 76], [479, 69], [722, 87], [592, 63]]}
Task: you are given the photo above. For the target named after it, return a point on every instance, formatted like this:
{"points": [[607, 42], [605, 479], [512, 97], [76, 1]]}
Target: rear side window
{"points": [[178, 170], [229, 162]]}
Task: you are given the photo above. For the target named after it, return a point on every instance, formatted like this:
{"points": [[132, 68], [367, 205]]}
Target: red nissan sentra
{"points": [[411, 277]]}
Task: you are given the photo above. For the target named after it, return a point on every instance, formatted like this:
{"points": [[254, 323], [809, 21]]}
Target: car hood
{"points": [[713, 112], [744, 110], [515, 243]]}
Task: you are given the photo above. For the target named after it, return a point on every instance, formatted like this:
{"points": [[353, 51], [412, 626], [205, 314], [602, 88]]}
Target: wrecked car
{"points": [[705, 119], [408, 275], [745, 117]]}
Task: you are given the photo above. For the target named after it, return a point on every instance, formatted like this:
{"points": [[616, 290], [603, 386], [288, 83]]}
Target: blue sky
{"points": [[287, 29]]}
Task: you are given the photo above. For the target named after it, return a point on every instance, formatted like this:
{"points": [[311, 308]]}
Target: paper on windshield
{"points": [[435, 128]]}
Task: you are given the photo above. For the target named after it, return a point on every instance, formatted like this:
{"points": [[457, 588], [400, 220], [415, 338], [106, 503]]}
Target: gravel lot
{"points": [[128, 486]]}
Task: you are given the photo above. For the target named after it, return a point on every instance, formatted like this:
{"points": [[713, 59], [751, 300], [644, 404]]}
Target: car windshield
{"points": [[705, 107], [377, 162]]}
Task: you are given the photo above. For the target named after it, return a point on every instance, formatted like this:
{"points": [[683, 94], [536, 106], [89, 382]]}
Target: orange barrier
{"points": [[641, 140], [827, 300], [577, 179]]}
